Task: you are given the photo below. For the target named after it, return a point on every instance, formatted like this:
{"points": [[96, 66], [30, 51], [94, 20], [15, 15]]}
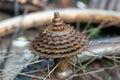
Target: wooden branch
{"points": [[68, 15]]}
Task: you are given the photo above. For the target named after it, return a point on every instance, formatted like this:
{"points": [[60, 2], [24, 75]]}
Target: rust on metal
{"points": [[59, 40], [62, 42]]}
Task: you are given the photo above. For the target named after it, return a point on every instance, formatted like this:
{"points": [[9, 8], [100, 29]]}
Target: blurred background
{"points": [[15, 40]]}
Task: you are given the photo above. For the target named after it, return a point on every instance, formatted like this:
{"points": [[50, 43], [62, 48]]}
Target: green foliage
{"points": [[109, 78], [94, 31], [84, 67]]}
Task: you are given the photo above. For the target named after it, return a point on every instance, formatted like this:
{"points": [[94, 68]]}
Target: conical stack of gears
{"points": [[60, 41]]}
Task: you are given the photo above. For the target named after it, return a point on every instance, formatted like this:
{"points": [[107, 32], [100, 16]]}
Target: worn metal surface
{"points": [[62, 42], [59, 40]]}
